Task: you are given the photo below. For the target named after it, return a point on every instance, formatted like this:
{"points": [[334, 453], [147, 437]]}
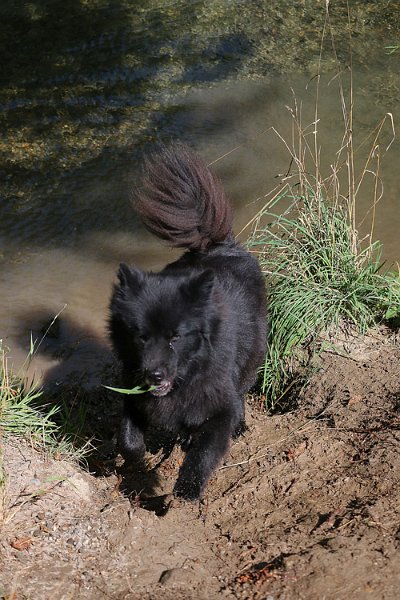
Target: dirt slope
{"points": [[306, 506]]}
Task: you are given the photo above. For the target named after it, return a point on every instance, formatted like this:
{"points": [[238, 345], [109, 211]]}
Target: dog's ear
{"points": [[130, 277], [199, 288]]}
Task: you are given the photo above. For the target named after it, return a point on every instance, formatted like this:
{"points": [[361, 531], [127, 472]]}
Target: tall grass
{"points": [[23, 413], [320, 275]]}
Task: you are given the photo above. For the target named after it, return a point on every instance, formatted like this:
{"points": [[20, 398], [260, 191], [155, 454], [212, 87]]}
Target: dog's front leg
{"points": [[130, 439], [209, 444]]}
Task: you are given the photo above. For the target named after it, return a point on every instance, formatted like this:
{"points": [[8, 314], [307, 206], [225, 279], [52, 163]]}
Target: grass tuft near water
{"points": [[318, 282], [321, 276], [24, 414]]}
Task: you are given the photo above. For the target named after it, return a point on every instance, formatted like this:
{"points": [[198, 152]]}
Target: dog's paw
{"points": [[160, 505], [187, 490], [134, 463], [240, 430]]}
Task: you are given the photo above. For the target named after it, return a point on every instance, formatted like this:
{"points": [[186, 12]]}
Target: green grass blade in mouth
{"points": [[135, 390]]}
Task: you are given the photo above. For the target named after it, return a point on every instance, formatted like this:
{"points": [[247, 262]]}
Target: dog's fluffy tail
{"points": [[181, 201]]}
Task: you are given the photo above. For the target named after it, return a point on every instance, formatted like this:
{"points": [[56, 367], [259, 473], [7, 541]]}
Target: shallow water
{"points": [[76, 123]]}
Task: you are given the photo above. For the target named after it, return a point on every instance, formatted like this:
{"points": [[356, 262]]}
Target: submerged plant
{"points": [[392, 49]]}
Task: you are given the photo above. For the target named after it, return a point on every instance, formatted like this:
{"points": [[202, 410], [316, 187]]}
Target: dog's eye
{"points": [[173, 339], [144, 337]]}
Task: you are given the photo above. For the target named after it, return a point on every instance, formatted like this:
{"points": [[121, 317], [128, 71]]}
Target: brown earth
{"points": [[306, 506]]}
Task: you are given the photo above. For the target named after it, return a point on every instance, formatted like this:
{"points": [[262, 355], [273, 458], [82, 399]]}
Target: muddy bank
{"points": [[305, 506]]}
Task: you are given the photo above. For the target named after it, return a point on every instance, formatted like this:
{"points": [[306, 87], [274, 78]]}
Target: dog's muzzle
{"points": [[157, 380]]}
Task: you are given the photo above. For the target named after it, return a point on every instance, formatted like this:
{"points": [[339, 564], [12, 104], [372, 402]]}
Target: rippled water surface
{"points": [[86, 91]]}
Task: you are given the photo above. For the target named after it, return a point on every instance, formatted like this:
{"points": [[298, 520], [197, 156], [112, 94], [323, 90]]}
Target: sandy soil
{"points": [[306, 506]]}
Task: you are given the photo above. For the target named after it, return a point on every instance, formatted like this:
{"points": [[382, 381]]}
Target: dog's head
{"points": [[162, 325]]}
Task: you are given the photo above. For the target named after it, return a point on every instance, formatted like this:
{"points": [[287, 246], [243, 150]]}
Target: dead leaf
{"points": [[22, 543], [260, 575], [115, 492]]}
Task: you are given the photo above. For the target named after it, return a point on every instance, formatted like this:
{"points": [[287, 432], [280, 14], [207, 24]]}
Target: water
{"points": [[87, 92]]}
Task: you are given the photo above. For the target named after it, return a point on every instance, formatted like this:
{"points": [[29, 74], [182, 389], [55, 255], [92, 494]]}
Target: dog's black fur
{"points": [[196, 331]]}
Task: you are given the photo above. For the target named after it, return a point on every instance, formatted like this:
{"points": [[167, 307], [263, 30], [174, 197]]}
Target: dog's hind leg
{"points": [[239, 426], [209, 444]]}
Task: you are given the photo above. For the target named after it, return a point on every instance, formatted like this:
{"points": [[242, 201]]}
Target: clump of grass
{"points": [[320, 275], [23, 414], [317, 284]]}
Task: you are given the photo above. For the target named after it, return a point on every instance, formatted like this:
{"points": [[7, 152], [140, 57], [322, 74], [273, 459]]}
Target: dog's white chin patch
{"points": [[162, 389]]}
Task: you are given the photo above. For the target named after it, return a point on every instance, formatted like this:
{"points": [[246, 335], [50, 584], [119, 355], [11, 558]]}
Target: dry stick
{"points": [[51, 324], [375, 150], [348, 133], [376, 199], [316, 117], [31, 497], [237, 147]]}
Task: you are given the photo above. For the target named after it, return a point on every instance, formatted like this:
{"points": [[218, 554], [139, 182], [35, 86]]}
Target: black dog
{"points": [[196, 331]]}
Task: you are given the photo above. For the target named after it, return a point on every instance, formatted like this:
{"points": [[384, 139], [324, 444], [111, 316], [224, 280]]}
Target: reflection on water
{"points": [[77, 112]]}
